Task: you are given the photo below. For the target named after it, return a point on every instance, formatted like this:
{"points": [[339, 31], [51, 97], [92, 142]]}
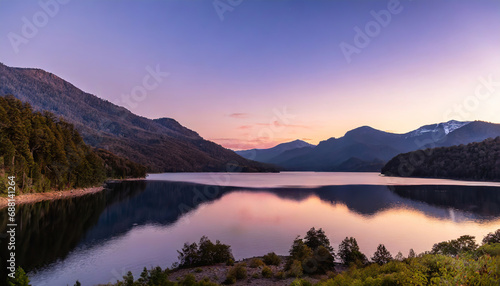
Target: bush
{"points": [[198, 270], [267, 272], [256, 262], [272, 259], [301, 282], [238, 272], [255, 275], [280, 275], [295, 269], [230, 262]]}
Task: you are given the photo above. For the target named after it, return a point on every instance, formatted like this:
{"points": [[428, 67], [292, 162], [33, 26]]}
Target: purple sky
{"points": [[233, 74]]}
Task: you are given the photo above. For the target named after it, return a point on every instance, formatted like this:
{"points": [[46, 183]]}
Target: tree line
{"points": [[474, 161], [46, 153]]}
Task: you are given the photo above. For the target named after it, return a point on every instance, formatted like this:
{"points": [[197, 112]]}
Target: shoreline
{"points": [[56, 195]]}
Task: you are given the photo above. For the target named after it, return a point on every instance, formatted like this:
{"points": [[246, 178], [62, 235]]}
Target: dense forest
{"points": [[44, 152], [474, 161]]}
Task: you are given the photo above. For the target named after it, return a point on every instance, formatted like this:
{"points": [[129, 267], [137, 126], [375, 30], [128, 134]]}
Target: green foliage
{"points": [[316, 238], [350, 254], [429, 269], [382, 255], [491, 249], [21, 279], [318, 259], [280, 275], [465, 243], [492, 237], [267, 272], [272, 259], [295, 269], [256, 262], [238, 272], [204, 253], [44, 152], [301, 282]]}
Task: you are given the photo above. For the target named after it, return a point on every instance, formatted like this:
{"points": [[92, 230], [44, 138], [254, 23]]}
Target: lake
{"points": [[97, 238]]}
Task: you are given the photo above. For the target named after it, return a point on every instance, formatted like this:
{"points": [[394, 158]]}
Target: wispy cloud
{"points": [[278, 124], [238, 115], [245, 127]]}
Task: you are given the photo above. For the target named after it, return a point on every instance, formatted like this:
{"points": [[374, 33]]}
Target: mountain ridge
{"points": [[368, 149], [163, 144]]}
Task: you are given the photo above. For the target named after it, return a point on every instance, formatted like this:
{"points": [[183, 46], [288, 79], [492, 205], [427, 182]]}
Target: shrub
{"points": [[256, 262], [280, 275], [198, 270], [272, 259], [301, 282], [230, 262], [295, 269], [267, 272], [238, 272], [255, 275]]}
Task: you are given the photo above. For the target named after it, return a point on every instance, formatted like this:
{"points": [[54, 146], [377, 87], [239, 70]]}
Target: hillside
{"points": [[45, 153], [474, 161], [163, 145]]}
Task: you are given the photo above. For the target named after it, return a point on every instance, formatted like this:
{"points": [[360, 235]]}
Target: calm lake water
{"points": [[97, 238]]}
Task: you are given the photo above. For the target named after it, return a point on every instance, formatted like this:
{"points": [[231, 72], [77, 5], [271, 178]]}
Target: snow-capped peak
{"points": [[447, 127]]}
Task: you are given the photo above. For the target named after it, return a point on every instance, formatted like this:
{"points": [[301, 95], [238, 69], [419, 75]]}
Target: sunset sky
{"points": [[233, 73]]}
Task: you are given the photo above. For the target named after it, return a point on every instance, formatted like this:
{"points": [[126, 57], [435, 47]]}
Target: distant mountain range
{"points": [[163, 145], [268, 155], [368, 149]]}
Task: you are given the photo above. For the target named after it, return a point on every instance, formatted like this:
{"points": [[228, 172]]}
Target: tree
{"points": [[465, 243], [349, 252], [314, 252], [492, 237], [411, 254], [382, 255], [316, 238]]}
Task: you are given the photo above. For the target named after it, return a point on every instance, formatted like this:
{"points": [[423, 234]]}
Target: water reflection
{"points": [[253, 220]]}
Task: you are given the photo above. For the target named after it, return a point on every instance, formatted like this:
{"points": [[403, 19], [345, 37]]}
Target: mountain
{"points": [[368, 149], [474, 161], [267, 155], [162, 145]]}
